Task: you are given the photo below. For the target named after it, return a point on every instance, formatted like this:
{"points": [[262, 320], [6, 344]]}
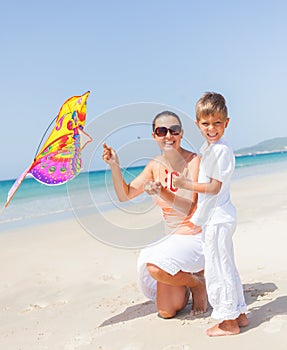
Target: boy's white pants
{"points": [[224, 287]]}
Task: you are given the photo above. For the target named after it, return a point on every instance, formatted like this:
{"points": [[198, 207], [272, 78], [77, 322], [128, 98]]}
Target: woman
{"points": [[173, 266]]}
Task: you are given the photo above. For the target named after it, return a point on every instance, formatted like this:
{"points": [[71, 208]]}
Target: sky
{"points": [[128, 52]]}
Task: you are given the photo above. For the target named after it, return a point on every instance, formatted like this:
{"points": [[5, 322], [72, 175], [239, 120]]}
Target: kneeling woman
{"points": [[172, 267]]}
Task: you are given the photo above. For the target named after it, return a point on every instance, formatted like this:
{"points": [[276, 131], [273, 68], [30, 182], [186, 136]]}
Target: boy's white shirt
{"points": [[217, 162]]}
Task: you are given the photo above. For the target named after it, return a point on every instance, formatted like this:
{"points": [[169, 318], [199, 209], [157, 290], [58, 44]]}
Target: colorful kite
{"points": [[59, 160]]}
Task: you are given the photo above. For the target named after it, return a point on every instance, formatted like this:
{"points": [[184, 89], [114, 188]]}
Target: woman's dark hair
{"points": [[165, 113]]}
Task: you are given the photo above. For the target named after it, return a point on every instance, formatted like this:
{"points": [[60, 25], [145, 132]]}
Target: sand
{"points": [[61, 288]]}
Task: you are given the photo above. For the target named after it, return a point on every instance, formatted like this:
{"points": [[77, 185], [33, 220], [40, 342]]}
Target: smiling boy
{"points": [[216, 217]]}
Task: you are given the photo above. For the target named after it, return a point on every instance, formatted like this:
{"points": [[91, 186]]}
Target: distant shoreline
{"points": [[258, 153]]}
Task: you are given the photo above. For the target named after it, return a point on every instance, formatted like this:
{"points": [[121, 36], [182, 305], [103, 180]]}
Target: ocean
{"points": [[93, 191]]}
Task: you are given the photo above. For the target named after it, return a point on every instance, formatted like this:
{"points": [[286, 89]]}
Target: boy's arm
{"points": [[180, 204], [212, 187]]}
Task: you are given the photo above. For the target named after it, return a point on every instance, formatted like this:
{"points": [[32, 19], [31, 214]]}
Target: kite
{"points": [[59, 160]]}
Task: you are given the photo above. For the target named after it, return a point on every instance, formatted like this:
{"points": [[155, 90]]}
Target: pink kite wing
{"points": [[59, 160]]}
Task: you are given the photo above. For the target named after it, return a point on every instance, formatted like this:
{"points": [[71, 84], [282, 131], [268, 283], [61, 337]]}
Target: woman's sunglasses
{"points": [[162, 130]]}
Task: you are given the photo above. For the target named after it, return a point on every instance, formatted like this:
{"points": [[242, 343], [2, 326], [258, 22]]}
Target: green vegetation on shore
{"points": [[274, 145]]}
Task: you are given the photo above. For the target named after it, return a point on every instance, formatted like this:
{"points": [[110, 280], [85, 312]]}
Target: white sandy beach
{"points": [[60, 288]]}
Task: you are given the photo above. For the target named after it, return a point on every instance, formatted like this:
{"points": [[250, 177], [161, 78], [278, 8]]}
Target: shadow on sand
{"points": [[132, 312], [253, 293], [271, 306]]}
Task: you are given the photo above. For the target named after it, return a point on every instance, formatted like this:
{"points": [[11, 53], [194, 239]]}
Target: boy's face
{"points": [[212, 126]]}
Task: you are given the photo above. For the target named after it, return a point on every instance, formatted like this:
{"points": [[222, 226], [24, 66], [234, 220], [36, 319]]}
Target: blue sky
{"points": [[166, 52]]}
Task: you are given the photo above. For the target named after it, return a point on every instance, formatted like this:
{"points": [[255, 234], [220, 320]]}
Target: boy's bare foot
{"points": [[199, 298], [242, 320], [227, 327]]}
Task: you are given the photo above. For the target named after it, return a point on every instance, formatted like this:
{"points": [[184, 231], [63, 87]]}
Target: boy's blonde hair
{"points": [[211, 103]]}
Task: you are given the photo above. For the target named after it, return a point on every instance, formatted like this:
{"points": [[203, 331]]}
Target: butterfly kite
{"points": [[59, 160]]}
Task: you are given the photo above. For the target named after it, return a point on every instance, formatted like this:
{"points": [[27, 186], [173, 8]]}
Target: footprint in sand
{"points": [[43, 305], [177, 347], [36, 306], [109, 277]]}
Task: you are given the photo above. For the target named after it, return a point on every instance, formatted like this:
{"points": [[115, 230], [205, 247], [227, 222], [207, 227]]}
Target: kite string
{"points": [[44, 136]]}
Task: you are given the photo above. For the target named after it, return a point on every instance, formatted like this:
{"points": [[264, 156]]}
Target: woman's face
{"points": [[172, 139]]}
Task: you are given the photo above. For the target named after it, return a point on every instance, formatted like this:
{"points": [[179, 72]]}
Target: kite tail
{"points": [[15, 187]]}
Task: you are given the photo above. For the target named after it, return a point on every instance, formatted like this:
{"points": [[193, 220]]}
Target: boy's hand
{"points": [[153, 187], [179, 181], [109, 155]]}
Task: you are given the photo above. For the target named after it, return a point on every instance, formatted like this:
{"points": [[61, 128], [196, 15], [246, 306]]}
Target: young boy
{"points": [[216, 217]]}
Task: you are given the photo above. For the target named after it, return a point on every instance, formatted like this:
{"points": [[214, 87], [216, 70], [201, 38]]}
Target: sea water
{"points": [[35, 201], [257, 164]]}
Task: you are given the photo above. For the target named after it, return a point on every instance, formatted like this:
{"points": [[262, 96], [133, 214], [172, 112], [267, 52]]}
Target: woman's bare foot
{"points": [[242, 320], [227, 327], [199, 297]]}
